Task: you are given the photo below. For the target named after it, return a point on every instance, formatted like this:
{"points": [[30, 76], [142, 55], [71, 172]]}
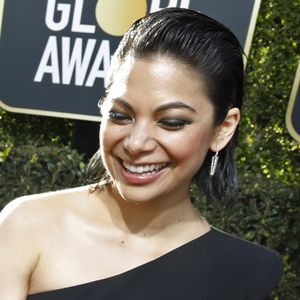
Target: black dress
{"points": [[215, 266]]}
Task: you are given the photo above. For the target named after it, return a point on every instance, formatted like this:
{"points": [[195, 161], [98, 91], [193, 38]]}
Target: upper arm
{"points": [[18, 251], [267, 274]]}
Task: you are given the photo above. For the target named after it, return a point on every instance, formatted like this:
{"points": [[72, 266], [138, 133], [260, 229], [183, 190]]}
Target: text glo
{"points": [[66, 58]]}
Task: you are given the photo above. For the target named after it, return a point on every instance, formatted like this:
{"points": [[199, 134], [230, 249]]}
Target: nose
{"points": [[140, 139]]}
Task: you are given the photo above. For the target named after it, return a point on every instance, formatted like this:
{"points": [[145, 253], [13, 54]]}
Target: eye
{"points": [[173, 124], [119, 117]]}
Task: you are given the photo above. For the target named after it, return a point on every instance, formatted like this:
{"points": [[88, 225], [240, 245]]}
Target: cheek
{"points": [[107, 137], [103, 134], [190, 147], [111, 137]]}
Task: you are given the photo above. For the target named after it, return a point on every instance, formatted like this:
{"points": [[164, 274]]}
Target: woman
{"points": [[169, 117]]}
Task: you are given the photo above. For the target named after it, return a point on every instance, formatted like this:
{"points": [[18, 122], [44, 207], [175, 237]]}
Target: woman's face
{"points": [[156, 129]]}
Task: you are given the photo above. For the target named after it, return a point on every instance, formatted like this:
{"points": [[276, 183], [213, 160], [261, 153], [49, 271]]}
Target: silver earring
{"points": [[214, 162]]}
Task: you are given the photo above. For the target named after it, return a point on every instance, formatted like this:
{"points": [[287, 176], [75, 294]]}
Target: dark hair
{"points": [[214, 52]]}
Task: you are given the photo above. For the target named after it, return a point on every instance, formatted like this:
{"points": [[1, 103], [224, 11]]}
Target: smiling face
{"points": [[156, 129]]}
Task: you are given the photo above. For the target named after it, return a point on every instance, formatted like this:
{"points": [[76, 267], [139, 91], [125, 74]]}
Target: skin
{"points": [[142, 95], [66, 238]]}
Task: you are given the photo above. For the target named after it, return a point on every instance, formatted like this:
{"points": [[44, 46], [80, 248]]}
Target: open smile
{"points": [[143, 168], [141, 173]]}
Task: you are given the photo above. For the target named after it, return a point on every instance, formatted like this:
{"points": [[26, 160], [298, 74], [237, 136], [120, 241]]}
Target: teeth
{"points": [[143, 168], [140, 169], [151, 168]]}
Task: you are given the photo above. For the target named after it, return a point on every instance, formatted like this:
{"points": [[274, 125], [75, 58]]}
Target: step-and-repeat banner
{"points": [[55, 54]]}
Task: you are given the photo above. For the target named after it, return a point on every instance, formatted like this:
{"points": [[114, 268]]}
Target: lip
{"points": [[139, 179]]}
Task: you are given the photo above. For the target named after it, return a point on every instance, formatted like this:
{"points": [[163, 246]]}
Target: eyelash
{"points": [[119, 117], [174, 124], [169, 124]]}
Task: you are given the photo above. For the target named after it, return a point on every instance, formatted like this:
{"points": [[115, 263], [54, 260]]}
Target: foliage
{"points": [[29, 169], [17, 128], [267, 209], [270, 73]]}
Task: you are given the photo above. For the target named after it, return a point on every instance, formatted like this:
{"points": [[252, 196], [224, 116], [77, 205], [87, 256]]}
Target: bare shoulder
{"points": [[24, 226], [24, 208], [31, 218], [30, 215]]}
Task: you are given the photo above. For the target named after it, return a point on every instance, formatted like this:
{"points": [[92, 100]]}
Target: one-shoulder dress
{"points": [[214, 266]]}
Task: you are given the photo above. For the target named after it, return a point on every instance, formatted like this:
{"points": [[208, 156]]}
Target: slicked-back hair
{"points": [[209, 48]]}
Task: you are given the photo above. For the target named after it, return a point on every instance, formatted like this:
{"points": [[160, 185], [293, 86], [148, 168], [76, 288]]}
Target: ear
{"points": [[225, 130]]}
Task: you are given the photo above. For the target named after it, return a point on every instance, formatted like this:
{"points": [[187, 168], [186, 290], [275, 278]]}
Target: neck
{"points": [[160, 216]]}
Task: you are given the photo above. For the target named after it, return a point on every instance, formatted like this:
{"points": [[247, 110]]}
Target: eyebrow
{"points": [[171, 105], [177, 104], [123, 103]]}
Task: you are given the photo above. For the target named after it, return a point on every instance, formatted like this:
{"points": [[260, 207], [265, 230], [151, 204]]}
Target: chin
{"points": [[136, 194]]}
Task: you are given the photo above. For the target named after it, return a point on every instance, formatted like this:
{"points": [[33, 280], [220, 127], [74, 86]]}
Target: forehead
{"points": [[158, 79]]}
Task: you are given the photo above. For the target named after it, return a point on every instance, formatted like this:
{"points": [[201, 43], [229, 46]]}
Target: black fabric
{"points": [[215, 266]]}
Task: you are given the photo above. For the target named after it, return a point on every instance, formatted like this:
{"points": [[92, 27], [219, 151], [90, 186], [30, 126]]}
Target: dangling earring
{"points": [[214, 162]]}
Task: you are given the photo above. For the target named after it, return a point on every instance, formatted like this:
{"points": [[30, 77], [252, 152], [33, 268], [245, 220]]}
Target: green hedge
{"points": [[29, 169]]}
